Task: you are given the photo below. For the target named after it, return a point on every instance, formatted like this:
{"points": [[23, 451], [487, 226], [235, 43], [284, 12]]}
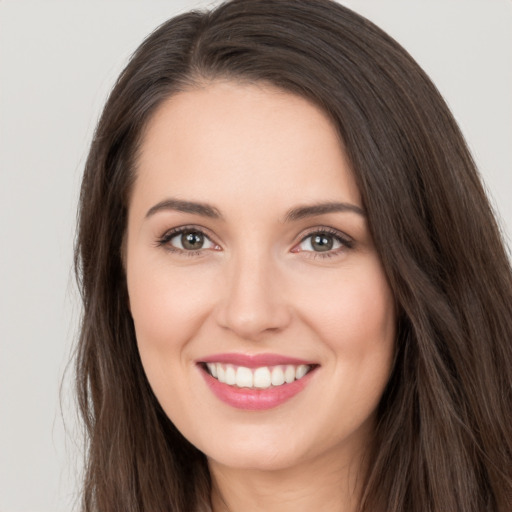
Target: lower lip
{"points": [[255, 399]]}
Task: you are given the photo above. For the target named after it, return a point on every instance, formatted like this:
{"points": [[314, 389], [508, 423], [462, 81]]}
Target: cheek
{"points": [[358, 325], [168, 305], [352, 312], [354, 317]]}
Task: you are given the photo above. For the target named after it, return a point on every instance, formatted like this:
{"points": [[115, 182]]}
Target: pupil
{"points": [[192, 240], [322, 242]]}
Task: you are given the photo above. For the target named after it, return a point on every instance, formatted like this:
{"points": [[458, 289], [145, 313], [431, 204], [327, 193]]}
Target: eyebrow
{"points": [[202, 209], [302, 212], [298, 213]]}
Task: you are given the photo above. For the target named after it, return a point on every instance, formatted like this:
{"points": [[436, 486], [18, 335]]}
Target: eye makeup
{"points": [[317, 242]]}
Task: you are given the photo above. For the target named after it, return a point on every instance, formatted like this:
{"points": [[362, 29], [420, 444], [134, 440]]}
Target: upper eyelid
{"points": [[172, 232], [325, 229]]}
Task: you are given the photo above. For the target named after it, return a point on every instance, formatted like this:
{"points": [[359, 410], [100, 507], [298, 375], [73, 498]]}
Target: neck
{"points": [[324, 485]]}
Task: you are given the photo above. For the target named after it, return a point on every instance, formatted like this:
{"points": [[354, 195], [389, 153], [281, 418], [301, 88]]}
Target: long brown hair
{"points": [[444, 433]]}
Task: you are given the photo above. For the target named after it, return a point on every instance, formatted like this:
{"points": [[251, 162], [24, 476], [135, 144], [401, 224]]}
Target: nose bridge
{"points": [[254, 301]]}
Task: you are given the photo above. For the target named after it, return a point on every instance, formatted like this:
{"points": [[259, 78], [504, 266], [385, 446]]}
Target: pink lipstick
{"points": [[255, 382]]}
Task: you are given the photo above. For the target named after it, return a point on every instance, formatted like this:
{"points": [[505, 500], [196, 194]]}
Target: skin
{"points": [[253, 153]]}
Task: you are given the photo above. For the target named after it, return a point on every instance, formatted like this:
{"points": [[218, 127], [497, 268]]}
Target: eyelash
{"points": [[344, 240], [164, 240]]}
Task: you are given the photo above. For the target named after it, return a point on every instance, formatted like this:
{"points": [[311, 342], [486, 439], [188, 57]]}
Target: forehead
{"points": [[227, 140]]}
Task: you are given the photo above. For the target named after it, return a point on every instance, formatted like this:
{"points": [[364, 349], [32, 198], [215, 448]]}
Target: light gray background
{"points": [[58, 61]]}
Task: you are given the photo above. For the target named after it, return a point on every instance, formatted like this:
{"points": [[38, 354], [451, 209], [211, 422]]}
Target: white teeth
{"points": [[212, 367], [289, 374], [244, 378], [230, 375], [301, 371], [277, 376], [260, 378]]}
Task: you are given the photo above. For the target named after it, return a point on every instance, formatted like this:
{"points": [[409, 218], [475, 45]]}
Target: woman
{"points": [[295, 292]]}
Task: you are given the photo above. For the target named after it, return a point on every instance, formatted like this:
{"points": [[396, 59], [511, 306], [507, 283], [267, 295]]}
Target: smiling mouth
{"points": [[262, 377]]}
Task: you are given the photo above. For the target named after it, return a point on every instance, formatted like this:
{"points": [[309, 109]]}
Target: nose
{"points": [[253, 303]]}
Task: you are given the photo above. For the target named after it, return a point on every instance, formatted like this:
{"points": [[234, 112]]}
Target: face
{"points": [[263, 317]]}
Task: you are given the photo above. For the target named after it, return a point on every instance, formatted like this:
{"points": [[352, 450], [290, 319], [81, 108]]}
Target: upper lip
{"points": [[253, 360]]}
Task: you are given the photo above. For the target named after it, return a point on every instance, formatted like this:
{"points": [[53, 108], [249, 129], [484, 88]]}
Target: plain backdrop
{"points": [[58, 61]]}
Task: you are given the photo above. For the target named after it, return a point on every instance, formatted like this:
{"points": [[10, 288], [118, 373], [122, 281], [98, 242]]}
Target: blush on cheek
{"points": [[359, 322]]}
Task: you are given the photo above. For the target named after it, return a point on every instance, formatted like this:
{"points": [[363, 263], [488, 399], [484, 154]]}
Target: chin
{"points": [[260, 448], [257, 459]]}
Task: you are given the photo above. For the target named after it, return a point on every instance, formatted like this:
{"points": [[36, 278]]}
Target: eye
{"points": [[323, 243], [191, 241], [187, 240]]}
